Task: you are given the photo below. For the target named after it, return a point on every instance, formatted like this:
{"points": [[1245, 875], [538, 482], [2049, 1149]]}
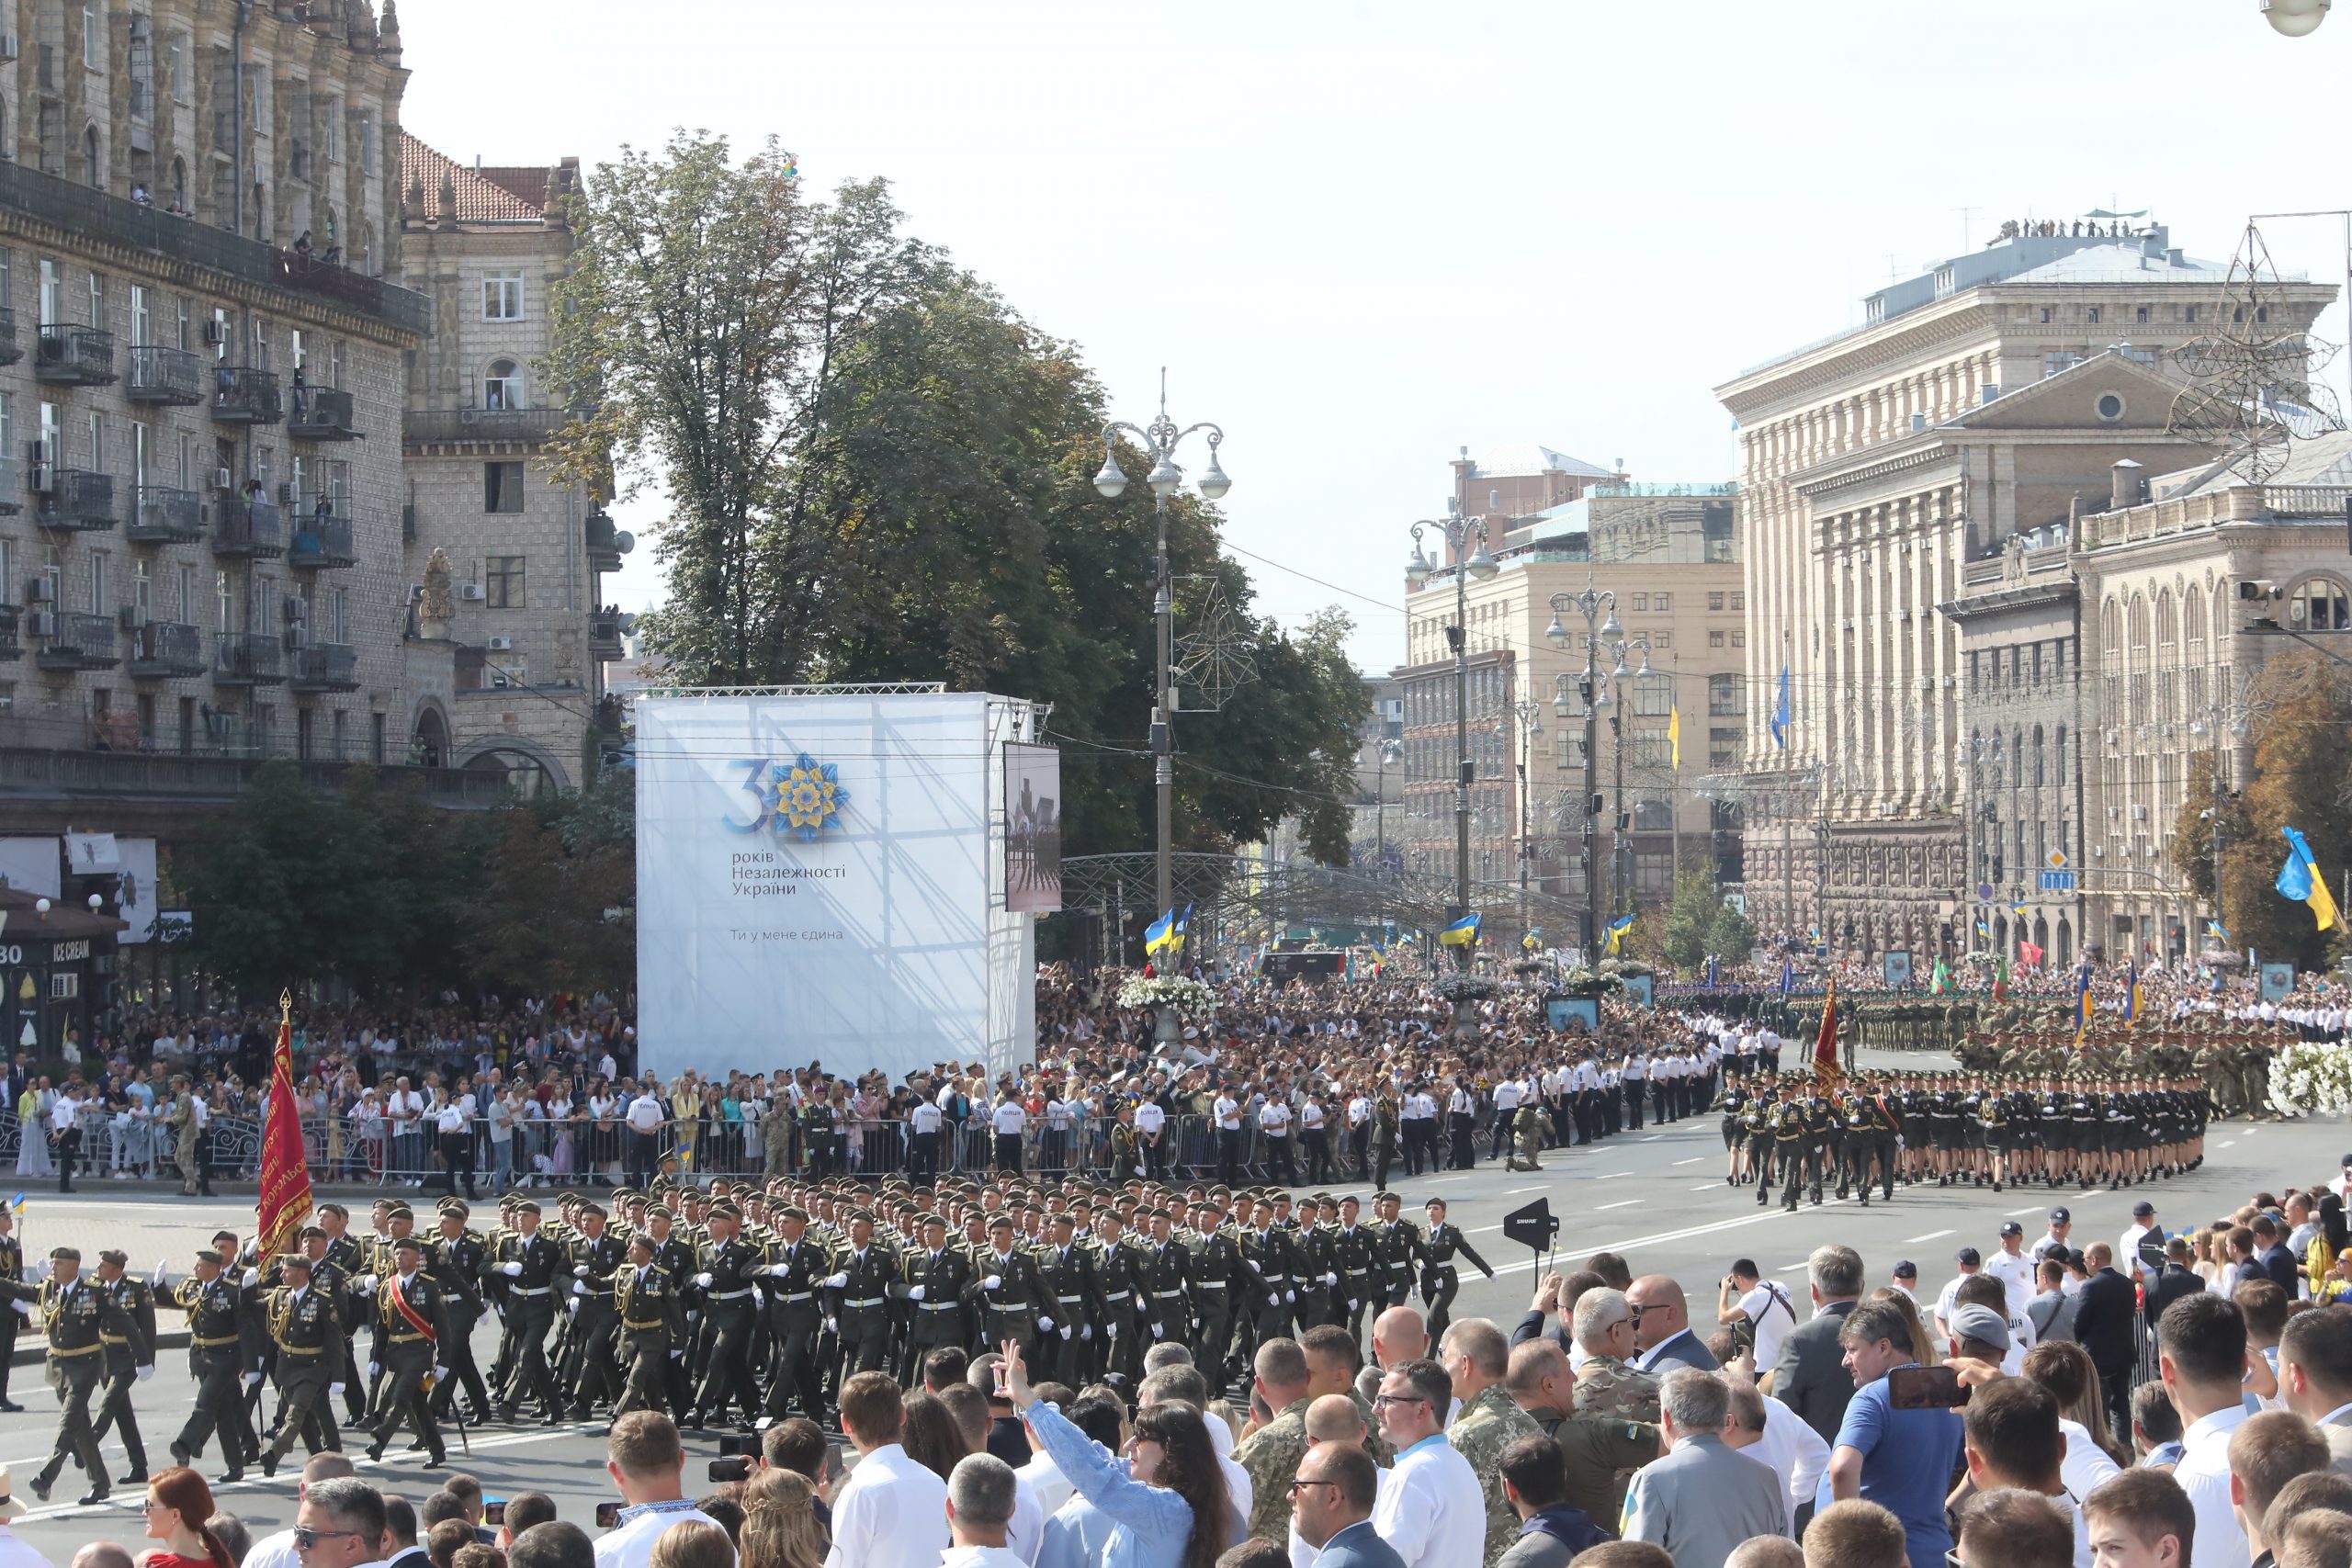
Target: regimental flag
{"points": [[1780, 712], [1940, 981], [1617, 929], [2028, 951], [2082, 1002], [1788, 975], [1533, 940], [285, 1205], [2001, 977], [1674, 734], [2300, 879], [1825, 1049], [1462, 932]]}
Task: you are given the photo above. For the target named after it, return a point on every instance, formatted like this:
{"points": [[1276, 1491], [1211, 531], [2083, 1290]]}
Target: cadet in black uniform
{"points": [[799, 1263], [1439, 1278], [857, 1300], [934, 1277], [454, 1256], [1076, 1290], [590, 1371], [530, 1263], [727, 1267]]}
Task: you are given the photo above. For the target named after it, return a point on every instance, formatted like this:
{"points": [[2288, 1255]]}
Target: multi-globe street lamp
{"points": [[1529, 713], [1159, 440], [1461, 534], [2294, 18], [1594, 689]]}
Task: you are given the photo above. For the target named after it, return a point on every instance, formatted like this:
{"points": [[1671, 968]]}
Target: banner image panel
{"points": [[813, 881], [1032, 844]]}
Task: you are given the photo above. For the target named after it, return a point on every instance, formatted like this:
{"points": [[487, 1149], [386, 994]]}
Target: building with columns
{"points": [[1983, 399]]}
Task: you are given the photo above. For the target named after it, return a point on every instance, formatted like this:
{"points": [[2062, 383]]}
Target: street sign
{"points": [[2055, 882], [1984, 892], [2057, 857]]}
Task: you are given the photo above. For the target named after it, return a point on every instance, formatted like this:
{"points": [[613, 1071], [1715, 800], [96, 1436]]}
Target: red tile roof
{"points": [[481, 198]]}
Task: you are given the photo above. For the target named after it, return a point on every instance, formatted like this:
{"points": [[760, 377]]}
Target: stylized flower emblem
{"points": [[808, 797]]}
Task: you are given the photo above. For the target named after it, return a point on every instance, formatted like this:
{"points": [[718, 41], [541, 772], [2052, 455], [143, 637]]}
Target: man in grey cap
{"points": [[1906, 1277], [1978, 1334]]}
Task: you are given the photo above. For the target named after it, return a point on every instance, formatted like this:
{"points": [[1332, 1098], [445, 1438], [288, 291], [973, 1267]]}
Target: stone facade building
{"points": [[1977, 401], [486, 246]]}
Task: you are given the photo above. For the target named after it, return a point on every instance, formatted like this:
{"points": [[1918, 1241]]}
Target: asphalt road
{"points": [[1657, 1196]]}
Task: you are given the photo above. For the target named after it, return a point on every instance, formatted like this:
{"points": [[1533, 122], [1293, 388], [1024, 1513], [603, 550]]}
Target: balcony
{"points": [[79, 642], [12, 486], [161, 515], [161, 650], [71, 355], [604, 543], [11, 350], [321, 541], [245, 395], [326, 667], [446, 427], [320, 413], [254, 529], [247, 658], [605, 636], [10, 619], [78, 501], [164, 376]]}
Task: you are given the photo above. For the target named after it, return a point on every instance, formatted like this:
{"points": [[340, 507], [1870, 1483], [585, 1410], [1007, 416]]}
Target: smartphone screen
{"points": [[494, 1513], [1925, 1388], [833, 1464], [608, 1515], [735, 1466]]}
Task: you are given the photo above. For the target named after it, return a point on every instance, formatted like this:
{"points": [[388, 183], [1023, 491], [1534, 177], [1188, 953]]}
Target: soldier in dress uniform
{"points": [[727, 1268], [1163, 1285], [857, 1300], [128, 1358], [1009, 1295], [308, 1331], [1118, 1269], [1068, 1270], [799, 1263], [1439, 1278], [11, 1272], [1217, 1274], [1268, 1266], [1357, 1257], [408, 1325], [652, 1326], [1397, 1244], [453, 1256], [530, 1262], [935, 1279], [223, 1327], [591, 1371], [77, 1313]]}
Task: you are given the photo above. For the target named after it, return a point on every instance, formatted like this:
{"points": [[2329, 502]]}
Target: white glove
{"points": [[253, 1278], [1354, 1303], [778, 1269], [833, 1326], [373, 1368], [991, 1282], [252, 1378], [835, 1281], [571, 1308], [675, 1354], [691, 1317], [511, 1268], [1158, 1332], [1274, 1298], [580, 1287], [40, 1269], [365, 1283], [914, 1292], [144, 1373], [1140, 1171], [703, 1280], [580, 1270], [1290, 1295], [440, 1374], [161, 1275], [334, 1388], [1064, 1331], [1086, 1331], [1045, 1324], [1112, 1329], [1331, 1279]]}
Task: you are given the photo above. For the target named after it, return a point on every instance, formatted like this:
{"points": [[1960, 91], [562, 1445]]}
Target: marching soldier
{"points": [[408, 1325], [726, 1266], [1163, 1278], [1073, 1287], [1118, 1268], [77, 1313], [858, 1300], [1268, 1265], [309, 1334], [1397, 1245], [1217, 1272], [652, 1326], [530, 1263], [11, 1272], [590, 1371], [801, 1264], [221, 1328], [935, 1277], [1439, 1278], [1354, 1252], [1009, 1295], [128, 1357], [454, 1256]]}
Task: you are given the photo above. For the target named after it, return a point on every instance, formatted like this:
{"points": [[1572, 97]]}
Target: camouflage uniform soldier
{"points": [[1528, 1126], [1270, 1455], [1606, 1386], [1490, 1422]]}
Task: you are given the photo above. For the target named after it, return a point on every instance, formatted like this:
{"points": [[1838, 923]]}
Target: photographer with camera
{"points": [[1759, 1309]]}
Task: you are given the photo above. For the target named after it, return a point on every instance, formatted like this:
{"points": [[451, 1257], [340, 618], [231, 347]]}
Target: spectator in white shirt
{"points": [[644, 1460], [979, 1505], [1434, 1509], [1747, 1297], [1009, 1121], [2202, 1356], [892, 1512], [15, 1552]]}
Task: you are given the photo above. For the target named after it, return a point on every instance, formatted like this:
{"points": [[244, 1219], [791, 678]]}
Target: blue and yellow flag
{"points": [[1617, 929], [2300, 879], [2132, 995], [2082, 1002], [2218, 931], [1162, 934], [1462, 932]]}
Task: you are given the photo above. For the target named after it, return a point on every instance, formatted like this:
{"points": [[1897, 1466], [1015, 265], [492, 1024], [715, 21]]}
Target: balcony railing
{"points": [[164, 376], [243, 527], [604, 635], [111, 220], [242, 395], [321, 541], [318, 413], [81, 642], [11, 618], [431, 427], [11, 350], [326, 667], [163, 649], [74, 355], [604, 543], [78, 499], [161, 516], [247, 658]]}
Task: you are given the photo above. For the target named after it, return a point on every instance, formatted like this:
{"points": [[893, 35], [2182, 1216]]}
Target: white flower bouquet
{"points": [[2308, 1078], [1189, 997]]}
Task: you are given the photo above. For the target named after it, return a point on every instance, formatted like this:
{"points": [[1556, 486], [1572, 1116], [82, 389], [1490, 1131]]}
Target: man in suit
{"points": [[1662, 1327], [2315, 1377], [2270, 1251], [2105, 1309], [1704, 1497], [1809, 1377], [1331, 1508], [2175, 1280]]}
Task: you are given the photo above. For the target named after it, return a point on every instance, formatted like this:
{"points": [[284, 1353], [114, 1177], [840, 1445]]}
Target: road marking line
{"points": [[1626, 1205], [1710, 1187], [1694, 1159], [2225, 1143], [1517, 1190], [1615, 1174], [1932, 1236]]}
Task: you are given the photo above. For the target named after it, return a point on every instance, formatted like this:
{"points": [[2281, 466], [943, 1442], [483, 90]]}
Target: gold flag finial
{"points": [[286, 1006]]}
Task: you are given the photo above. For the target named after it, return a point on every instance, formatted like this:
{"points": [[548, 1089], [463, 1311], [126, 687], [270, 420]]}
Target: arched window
{"points": [[2036, 756], [179, 184], [91, 168], [2321, 604], [502, 388]]}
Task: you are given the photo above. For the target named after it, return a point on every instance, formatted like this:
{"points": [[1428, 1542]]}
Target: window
{"points": [[2110, 407], [2090, 314], [176, 55], [1739, 599], [92, 38], [142, 587], [184, 600], [1661, 640], [1725, 695], [508, 670], [1714, 601], [2045, 315], [1571, 749], [502, 388], [93, 171], [2320, 606], [139, 316], [97, 441], [2142, 314], [2188, 314], [334, 130], [367, 166], [502, 296], [1739, 639], [1723, 748], [501, 487], [1653, 816], [182, 306], [1665, 602], [503, 581], [97, 299], [1641, 602], [1715, 639], [339, 616], [52, 292], [1653, 695], [53, 449], [376, 738], [224, 598]]}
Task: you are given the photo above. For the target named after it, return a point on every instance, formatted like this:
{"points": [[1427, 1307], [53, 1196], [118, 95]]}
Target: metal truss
{"points": [[1245, 893], [844, 689]]}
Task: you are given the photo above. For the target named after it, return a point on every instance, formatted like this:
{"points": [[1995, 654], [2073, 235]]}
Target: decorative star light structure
{"points": [[807, 797], [2251, 381]]}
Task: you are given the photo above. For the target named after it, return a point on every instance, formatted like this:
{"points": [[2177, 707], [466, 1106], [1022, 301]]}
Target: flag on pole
{"points": [[1940, 981], [2218, 931], [1161, 933], [285, 1205], [1462, 932], [1825, 1049], [2300, 879], [1780, 721], [1617, 929], [2082, 1002], [2001, 978], [1674, 734], [2028, 951], [1788, 975], [2132, 996]]}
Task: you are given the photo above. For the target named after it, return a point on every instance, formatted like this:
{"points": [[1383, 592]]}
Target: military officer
{"points": [[1008, 1294], [1072, 1285], [454, 1256], [408, 1325], [77, 1313], [221, 1327], [857, 1298], [128, 1357], [309, 1334], [652, 1325]]}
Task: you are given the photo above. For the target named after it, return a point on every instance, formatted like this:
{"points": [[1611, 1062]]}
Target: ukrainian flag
{"points": [[2218, 931], [2300, 879], [1617, 929], [1162, 934], [2132, 996], [1462, 932], [2082, 1002]]}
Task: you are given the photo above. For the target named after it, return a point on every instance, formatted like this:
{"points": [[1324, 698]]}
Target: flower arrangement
{"points": [[1607, 980], [1461, 988], [1188, 997], [2307, 1078], [1619, 968]]}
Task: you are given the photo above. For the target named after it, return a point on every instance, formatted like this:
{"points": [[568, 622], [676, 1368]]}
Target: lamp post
{"points": [[2216, 722], [1529, 712], [1595, 688], [1461, 533], [1160, 440], [1390, 751]]}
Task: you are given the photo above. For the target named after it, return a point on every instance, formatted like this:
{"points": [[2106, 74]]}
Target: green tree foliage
{"points": [[1699, 924], [1733, 936], [879, 471]]}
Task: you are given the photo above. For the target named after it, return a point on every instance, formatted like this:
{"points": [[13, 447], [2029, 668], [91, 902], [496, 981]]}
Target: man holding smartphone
{"points": [[1899, 1458]]}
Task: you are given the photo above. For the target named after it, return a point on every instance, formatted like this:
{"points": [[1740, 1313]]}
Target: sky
{"points": [[1360, 235]]}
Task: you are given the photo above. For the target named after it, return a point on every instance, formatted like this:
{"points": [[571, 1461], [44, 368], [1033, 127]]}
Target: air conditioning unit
{"points": [[40, 590], [298, 609], [2139, 813], [133, 618], [502, 645], [223, 480], [298, 636], [214, 333], [44, 623], [285, 495], [471, 592]]}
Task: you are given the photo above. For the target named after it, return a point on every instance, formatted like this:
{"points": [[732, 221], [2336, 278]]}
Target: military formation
{"points": [[2232, 1057], [734, 1303]]}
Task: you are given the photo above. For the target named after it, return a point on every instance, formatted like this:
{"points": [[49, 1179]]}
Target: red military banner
{"points": [[285, 1173], [1825, 1049]]}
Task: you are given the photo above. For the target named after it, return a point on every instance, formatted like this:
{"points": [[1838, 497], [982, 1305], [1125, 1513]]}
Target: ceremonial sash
{"points": [[399, 1305]]}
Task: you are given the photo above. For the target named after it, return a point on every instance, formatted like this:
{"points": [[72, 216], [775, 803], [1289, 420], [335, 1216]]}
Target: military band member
{"points": [[308, 1331], [408, 1323]]}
